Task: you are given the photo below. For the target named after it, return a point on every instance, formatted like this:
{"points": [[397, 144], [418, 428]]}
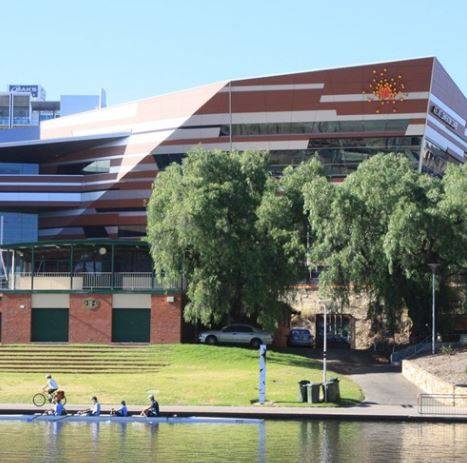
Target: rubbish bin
{"points": [[303, 390], [313, 392], [332, 390]]}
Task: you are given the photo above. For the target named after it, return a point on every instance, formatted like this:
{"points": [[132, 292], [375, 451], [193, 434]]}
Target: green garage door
{"points": [[131, 325], [49, 325]]}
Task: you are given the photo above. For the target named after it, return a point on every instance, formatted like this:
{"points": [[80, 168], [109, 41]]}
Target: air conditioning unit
{"points": [[170, 299]]}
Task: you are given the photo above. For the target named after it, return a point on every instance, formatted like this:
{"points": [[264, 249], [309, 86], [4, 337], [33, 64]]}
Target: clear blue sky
{"points": [[140, 48]]}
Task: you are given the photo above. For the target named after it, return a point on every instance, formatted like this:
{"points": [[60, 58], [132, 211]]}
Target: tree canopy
{"points": [[377, 232], [217, 219], [242, 238]]}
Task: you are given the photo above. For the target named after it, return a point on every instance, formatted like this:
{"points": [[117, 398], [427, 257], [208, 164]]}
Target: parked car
{"points": [[236, 334], [300, 337]]}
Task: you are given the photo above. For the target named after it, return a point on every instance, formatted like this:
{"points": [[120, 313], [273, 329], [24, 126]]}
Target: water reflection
{"points": [[271, 441]]}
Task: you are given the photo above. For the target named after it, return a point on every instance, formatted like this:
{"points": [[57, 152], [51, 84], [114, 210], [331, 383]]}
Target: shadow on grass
{"points": [[340, 403]]}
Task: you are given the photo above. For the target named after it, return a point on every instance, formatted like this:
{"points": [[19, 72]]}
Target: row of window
{"points": [[337, 162], [389, 125], [85, 168]]}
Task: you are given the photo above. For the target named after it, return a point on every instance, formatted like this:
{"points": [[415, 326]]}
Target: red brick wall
{"points": [[90, 325], [166, 319], [16, 321]]}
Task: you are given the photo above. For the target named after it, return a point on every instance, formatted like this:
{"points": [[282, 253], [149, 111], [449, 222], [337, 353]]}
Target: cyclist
{"points": [[50, 387]]}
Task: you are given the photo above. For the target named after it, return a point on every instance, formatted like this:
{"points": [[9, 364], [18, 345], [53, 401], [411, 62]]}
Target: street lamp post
{"points": [[325, 338], [433, 266]]}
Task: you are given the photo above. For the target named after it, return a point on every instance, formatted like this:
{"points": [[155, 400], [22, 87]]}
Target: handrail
{"points": [[442, 404], [77, 281], [411, 351]]}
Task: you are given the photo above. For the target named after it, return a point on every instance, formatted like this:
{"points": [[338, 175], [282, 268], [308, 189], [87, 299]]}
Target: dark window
{"points": [[396, 125], [244, 329], [95, 232], [341, 156], [131, 231], [230, 329], [85, 168]]}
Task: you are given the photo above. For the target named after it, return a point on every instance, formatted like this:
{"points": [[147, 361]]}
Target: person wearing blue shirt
{"points": [[59, 409], [122, 411]]}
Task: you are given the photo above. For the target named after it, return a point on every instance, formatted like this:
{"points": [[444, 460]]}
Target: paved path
{"points": [[359, 412], [381, 384], [385, 385]]}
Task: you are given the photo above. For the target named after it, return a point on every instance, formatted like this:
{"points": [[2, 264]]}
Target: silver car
{"points": [[236, 334]]}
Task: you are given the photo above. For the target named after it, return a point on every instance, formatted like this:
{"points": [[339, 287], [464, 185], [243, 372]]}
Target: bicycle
{"points": [[41, 398]]}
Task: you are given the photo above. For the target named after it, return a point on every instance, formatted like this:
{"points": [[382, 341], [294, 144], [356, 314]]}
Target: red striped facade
{"points": [[96, 168]]}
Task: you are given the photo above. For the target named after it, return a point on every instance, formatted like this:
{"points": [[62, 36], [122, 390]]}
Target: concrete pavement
{"points": [[365, 412], [381, 384], [385, 385]]}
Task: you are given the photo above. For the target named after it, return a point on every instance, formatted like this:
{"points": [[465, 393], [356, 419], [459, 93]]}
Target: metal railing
{"points": [[133, 280], [85, 281], [411, 351], [442, 404]]}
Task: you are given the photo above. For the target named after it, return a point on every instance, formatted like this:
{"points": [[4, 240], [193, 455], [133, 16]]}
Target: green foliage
{"points": [[376, 233], [219, 219]]}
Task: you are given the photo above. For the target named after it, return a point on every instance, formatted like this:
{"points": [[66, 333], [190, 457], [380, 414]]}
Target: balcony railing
{"points": [[82, 281]]}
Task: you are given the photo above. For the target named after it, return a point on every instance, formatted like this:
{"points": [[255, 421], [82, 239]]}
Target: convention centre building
{"points": [[88, 277]]}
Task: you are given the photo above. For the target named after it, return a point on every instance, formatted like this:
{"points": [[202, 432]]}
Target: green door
{"points": [[49, 325], [131, 325]]}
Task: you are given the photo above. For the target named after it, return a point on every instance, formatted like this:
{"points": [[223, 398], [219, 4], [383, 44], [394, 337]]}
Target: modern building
{"points": [[26, 106], [96, 169], [22, 109]]}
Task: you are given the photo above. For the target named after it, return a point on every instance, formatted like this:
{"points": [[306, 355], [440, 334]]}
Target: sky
{"points": [[140, 48]]}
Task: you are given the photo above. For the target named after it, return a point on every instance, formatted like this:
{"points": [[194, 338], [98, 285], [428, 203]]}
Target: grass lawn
{"points": [[189, 375]]}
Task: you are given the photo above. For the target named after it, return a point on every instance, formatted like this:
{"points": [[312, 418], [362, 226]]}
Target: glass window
{"points": [[398, 125], [85, 168]]}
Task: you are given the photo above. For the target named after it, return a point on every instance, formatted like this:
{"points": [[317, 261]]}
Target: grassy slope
{"points": [[193, 375]]}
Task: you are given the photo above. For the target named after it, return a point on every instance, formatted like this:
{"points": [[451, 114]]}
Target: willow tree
{"points": [[210, 219], [376, 233]]}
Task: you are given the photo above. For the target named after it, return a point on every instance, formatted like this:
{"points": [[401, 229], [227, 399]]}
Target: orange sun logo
{"points": [[385, 91]]}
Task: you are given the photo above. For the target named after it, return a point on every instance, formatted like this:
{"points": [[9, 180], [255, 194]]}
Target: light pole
{"points": [[434, 266], [325, 339]]}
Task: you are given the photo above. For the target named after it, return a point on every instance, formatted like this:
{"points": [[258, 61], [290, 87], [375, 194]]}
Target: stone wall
{"points": [[428, 382], [308, 303]]}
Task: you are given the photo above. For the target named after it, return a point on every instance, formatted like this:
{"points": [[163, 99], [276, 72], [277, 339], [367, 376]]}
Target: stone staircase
{"points": [[65, 358]]}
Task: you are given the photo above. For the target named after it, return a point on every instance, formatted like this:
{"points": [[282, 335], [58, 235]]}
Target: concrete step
{"points": [[77, 369], [34, 358]]}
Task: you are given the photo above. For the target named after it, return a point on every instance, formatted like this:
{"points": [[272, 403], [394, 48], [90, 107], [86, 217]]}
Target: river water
{"points": [[271, 441]]}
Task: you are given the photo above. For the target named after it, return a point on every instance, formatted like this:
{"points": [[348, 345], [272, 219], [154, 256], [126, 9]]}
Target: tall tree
{"points": [[376, 233], [209, 218]]}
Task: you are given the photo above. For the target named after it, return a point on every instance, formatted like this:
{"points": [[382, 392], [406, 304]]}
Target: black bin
{"points": [[313, 392], [303, 390], [332, 390]]}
